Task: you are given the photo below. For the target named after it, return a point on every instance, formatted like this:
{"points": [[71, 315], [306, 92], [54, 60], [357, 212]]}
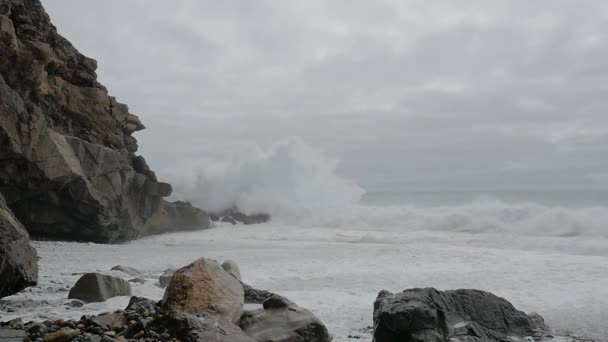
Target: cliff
{"points": [[68, 167]]}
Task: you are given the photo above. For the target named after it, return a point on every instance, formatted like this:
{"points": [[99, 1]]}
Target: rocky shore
{"points": [[206, 301]]}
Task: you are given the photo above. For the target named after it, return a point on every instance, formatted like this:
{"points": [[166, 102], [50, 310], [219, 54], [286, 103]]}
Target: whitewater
{"points": [[332, 245]]}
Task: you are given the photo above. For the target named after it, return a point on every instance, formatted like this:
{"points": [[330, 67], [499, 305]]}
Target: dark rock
{"points": [[190, 328], [66, 150], [430, 315], [283, 321], [95, 287], [18, 259], [234, 216], [75, 304], [253, 296], [37, 328], [177, 216]]}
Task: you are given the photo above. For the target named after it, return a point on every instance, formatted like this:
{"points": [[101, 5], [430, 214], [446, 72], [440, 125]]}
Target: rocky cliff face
{"points": [[68, 168], [18, 259]]}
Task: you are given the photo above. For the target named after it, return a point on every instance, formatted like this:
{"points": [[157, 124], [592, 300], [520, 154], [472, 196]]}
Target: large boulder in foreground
{"points": [[281, 320], [18, 259], [96, 287], [428, 315], [203, 287], [68, 168], [176, 217]]}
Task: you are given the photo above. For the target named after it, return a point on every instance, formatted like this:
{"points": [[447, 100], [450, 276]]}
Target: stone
{"points": [[175, 217], [126, 270], [228, 219], [232, 268], [66, 147], [190, 328], [234, 216], [96, 287], [254, 296], [204, 287], [283, 321], [165, 278], [18, 259], [11, 335], [430, 315], [109, 321], [63, 335]]}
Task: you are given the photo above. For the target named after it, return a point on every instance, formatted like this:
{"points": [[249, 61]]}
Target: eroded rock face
{"points": [[18, 259], [175, 217], [203, 287], [463, 315], [283, 321], [67, 163]]}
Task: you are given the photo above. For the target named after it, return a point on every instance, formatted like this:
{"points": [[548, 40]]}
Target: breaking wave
{"points": [[297, 184]]}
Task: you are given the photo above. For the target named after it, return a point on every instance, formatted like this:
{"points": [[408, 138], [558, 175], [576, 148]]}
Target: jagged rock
{"points": [[109, 321], [95, 287], [177, 216], [165, 279], [208, 328], [253, 296], [204, 287], [283, 321], [232, 268], [428, 315], [66, 150], [126, 270], [18, 259], [233, 216]]}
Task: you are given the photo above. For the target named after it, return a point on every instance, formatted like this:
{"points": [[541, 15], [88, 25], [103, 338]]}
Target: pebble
{"points": [[139, 335], [63, 335], [106, 339], [110, 333]]}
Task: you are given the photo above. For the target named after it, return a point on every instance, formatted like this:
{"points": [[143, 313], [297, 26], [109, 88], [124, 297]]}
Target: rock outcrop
{"points": [[175, 217], [96, 287], [68, 168], [234, 216], [428, 315], [18, 259], [281, 320], [204, 287]]}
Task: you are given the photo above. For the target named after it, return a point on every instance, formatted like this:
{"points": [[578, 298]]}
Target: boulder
{"points": [[428, 315], [208, 328], [204, 287], [96, 287], [175, 217], [18, 259], [283, 321], [254, 296], [12, 335], [234, 216], [165, 278], [66, 150], [232, 268]]}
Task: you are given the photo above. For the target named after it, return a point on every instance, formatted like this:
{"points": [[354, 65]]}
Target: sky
{"points": [[408, 94]]}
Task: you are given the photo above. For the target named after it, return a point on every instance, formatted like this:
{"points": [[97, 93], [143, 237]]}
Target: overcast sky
{"points": [[424, 94]]}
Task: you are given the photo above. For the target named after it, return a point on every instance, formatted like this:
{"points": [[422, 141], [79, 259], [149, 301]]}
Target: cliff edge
{"points": [[68, 167]]}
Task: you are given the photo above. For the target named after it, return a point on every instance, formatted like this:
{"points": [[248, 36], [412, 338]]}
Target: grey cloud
{"points": [[471, 94]]}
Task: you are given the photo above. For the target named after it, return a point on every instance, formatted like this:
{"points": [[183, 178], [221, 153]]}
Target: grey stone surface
{"points": [[232, 268], [283, 321], [18, 259], [429, 315], [96, 287], [165, 278]]}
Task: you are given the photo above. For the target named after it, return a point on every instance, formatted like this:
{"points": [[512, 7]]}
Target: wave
{"points": [[297, 184]]}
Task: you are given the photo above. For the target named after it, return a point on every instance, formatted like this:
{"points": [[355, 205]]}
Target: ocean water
{"points": [[331, 245]]}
